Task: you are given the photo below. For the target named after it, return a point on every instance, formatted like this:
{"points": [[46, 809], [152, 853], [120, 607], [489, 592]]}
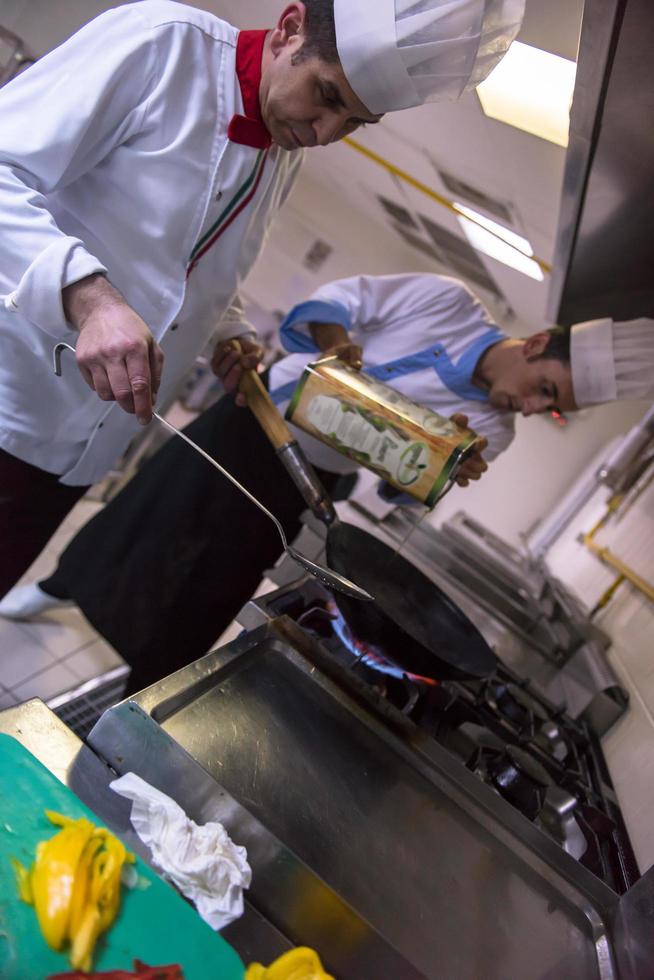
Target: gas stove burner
{"points": [[520, 779], [550, 738], [514, 703], [318, 620], [558, 818], [401, 692], [322, 619], [481, 737], [369, 654]]}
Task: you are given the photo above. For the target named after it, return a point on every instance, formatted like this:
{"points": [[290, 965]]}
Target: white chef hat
{"points": [[611, 360], [402, 53]]}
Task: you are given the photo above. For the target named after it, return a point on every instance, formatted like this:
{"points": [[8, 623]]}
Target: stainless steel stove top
{"points": [[368, 837], [504, 729]]}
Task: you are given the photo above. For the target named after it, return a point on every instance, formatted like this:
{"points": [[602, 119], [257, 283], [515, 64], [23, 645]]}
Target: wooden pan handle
{"points": [[263, 407]]}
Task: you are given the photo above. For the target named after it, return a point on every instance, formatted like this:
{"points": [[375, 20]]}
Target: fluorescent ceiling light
{"points": [[532, 90], [511, 249]]}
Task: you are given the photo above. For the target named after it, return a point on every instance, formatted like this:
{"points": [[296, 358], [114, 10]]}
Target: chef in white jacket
{"points": [[140, 166], [422, 334], [431, 338], [162, 597]]}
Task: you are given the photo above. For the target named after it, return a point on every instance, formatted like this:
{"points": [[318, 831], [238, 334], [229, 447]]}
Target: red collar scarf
{"points": [[249, 129]]}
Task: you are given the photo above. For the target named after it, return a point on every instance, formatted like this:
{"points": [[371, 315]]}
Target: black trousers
{"points": [[169, 562], [32, 506]]}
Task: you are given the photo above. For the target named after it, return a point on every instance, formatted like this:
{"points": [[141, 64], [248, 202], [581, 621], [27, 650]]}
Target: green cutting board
{"points": [[155, 924]]}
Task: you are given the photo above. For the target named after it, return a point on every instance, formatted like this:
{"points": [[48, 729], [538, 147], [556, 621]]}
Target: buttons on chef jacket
{"points": [[218, 195], [11, 303], [174, 326]]}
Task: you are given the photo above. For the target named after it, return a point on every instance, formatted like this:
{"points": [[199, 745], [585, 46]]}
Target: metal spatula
{"points": [[331, 579]]}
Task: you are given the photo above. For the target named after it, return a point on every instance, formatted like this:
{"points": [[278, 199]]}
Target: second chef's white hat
{"points": [[402, 53], [612, 361]]}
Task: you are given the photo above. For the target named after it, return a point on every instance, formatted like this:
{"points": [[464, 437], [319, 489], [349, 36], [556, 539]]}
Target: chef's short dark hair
{"points": [[558, 346], [319, 32]]}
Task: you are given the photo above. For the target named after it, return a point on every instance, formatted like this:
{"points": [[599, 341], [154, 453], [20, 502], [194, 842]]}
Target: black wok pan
{"points": [[414, 623]]}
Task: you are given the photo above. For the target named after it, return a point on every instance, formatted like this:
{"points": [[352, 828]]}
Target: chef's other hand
{"points": [[228, 364], [475, 465], [116, 353], [352, 354]]}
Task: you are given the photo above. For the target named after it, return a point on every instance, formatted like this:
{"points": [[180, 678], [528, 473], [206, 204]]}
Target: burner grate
{"points": [[83, 706]]}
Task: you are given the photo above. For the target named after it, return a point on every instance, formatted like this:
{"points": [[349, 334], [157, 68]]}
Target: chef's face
{"points": [[305, 101], [530, 384]]}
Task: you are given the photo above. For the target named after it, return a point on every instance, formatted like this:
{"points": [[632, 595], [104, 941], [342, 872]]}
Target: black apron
{"points": [[165, 567]]}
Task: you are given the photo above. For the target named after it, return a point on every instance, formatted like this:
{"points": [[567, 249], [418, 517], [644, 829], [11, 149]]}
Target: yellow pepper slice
{"points": [[23, 881], [84, 940], [298, 964], [74, 885], [53, 877], [82, 882]]}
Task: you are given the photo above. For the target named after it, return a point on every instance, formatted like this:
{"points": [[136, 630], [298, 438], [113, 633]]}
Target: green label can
{"points": [[409, 446]]}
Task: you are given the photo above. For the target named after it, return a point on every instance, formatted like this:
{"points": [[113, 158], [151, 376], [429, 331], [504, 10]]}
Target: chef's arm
{"points": [[54, 132], [116, 352], [333, 340], [54, 281]]}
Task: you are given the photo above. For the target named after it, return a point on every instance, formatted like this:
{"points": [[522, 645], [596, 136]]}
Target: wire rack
{"points": [[81, 707]]}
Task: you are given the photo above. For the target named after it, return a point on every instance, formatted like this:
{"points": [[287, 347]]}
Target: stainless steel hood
{"points": [[605, 247]]}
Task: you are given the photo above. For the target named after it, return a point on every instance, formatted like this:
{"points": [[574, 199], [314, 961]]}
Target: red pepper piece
{"points": [[142, 971]]}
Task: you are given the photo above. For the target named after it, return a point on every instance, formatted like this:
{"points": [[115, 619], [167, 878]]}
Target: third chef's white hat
{"points": [[611, 360], [402, 53]]}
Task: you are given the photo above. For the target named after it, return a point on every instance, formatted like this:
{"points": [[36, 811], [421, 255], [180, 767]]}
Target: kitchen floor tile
{"points": [[61, 631], [93, 660], [21, 655], [47, 684]]}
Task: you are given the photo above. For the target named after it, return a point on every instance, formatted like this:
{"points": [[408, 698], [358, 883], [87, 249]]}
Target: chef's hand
{"points": [[228, 364], [474, 466], [352, 354], [333, 341], [116, 352]]}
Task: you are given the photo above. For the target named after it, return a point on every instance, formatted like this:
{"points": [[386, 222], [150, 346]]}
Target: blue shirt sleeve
{"points": [[313, 311]]}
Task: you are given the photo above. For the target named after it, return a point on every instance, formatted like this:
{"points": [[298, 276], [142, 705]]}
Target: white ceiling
{"points": [[519, 170]]}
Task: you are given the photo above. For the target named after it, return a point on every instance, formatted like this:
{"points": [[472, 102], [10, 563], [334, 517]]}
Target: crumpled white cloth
{"points": [[201, 861]]}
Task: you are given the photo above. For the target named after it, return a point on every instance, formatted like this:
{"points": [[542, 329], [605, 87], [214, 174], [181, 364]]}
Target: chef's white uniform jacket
{"points": [[421, 334], [115, 157]]}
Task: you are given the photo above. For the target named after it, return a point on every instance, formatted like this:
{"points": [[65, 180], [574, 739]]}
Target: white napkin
{"points": [[201, 861]]}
